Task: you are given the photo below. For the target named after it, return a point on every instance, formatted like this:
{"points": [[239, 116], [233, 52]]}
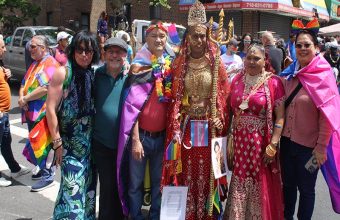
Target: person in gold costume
{"points": [[190, 123]]}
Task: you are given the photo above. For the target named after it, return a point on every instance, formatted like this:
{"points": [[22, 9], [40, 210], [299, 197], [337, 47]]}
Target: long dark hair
{"points": [[89, 39], [241, 45]]}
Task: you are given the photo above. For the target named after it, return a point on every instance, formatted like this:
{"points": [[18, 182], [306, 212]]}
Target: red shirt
{"points": [[153, 116]]}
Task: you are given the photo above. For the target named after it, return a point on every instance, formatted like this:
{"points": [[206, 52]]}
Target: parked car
{"points": [[14, 58]]}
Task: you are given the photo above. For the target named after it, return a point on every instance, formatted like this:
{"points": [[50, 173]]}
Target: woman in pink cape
{"points": [[310, 121]]}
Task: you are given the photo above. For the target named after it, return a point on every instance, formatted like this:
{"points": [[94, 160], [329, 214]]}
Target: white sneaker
{"points": [[4, 182], [21, 172]]}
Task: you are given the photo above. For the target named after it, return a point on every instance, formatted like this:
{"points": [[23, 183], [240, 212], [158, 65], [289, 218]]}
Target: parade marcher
{"points": [[143, 123], [60, 54], [191, 107], [32, 97], [246, 41], [309, 120], [71, 91], [5, 132], [333, 58], [232, 62], [275, 55], [109, 84], [257, 98]]}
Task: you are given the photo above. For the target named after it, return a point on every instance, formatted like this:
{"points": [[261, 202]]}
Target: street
{"points": [[17, 202]]}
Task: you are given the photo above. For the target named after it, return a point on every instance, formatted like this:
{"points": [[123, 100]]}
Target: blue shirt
{"points": [[108, 102]]}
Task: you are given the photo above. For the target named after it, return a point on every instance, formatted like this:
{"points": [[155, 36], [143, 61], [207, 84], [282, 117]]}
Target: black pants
{"points": [[5, 144], [105, 160], [296, 177]]}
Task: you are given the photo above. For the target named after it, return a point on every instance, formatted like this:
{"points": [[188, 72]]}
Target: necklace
{"points": [[254, 84], [163, 78], [334, 61]]}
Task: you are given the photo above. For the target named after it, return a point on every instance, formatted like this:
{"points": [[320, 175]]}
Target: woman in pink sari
{"points": [[257, 99]]}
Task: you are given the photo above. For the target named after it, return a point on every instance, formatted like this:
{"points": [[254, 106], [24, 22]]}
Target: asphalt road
{"points": [[18, 203]]}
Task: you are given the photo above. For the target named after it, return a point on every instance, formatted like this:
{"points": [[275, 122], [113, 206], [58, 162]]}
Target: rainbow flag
{"points": [[173, 34], [199, 133], [173, 151], [40, 140]]}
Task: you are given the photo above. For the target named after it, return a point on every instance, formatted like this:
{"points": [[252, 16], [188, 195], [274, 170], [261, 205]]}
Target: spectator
{"points": [[60, 54], [32, 97], [275, 55], [126, 37], [5, 132], [246, 41], [109, 83], [232, 62], [71, 128], [102, 28], [290, 47]]}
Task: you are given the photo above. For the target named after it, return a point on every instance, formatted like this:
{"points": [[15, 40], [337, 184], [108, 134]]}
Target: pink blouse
{"points": [[304, 123]]}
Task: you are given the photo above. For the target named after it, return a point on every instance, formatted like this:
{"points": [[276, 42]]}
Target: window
{"points": [[49, 18], [85, 21], [27, 37], [18, 37]]}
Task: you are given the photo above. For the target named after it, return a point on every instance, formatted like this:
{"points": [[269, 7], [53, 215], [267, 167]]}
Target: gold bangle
{"points": [[270, 151]]}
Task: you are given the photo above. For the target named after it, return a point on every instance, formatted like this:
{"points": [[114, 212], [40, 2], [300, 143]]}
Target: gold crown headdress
{"points": [[197, 14]]}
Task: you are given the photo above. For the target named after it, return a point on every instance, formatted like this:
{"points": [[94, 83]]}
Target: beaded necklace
{"points": [[163, 78]]}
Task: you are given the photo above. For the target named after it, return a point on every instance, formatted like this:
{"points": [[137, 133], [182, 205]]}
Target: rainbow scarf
{"points": [[41, 140]]}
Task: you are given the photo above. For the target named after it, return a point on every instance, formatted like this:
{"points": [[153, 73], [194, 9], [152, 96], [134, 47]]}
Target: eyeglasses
{"points": [[32, 46], [306, 45], [82, 50]]}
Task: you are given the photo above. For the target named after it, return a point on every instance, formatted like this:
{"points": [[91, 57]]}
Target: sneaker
{"points": [[37, 176], [21, 172], [41, 185], [4, 182]]}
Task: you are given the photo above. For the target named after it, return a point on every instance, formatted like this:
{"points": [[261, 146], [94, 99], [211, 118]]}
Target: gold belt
{"points": [[198, 111]]}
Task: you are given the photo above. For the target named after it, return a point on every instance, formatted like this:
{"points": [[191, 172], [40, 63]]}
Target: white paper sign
{"points": [[174, 201], [218, 156]]}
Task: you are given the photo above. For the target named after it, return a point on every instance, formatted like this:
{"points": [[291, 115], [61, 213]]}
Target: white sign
{"points": [[174, 201], [218, 156]]}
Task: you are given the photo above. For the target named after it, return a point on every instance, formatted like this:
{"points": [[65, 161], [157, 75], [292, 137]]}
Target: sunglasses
{"points": [[306, 45], [82, 50], [32, 46], [247, 41]]}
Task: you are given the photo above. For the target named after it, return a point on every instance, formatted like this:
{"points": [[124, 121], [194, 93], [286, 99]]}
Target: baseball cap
{"points": [[214, 25], [120, 35], [233, 42], [115, 41], [62, 35]]}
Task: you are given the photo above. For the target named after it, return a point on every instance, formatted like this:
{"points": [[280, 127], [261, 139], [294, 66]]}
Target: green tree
{"points": [[14, 12], [163, 3]]}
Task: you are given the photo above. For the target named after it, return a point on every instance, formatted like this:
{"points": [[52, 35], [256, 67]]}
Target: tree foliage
{"points": [[163, 3], [14, 12]]}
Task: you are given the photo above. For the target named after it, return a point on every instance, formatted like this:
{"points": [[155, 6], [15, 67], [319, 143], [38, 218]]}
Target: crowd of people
{"points": [[112, 114]]}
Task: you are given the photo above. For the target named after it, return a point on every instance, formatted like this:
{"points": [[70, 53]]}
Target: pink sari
{"points": [[255, 189]]}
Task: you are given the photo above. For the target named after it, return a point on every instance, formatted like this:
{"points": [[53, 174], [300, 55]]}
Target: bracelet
{"points": [[277, 125], [270, 151], [57, 140], [56, 148]]}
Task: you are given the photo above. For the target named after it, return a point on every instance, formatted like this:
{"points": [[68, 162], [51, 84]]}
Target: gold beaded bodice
{"points": [[198, 80]]}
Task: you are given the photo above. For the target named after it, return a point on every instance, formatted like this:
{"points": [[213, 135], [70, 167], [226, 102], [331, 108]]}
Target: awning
{"points": [[333, 7], [284, 7], [330, 30]]}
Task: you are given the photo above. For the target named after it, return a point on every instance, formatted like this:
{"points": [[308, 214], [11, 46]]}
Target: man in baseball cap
{"points": [[59, 52], [109, 81]]}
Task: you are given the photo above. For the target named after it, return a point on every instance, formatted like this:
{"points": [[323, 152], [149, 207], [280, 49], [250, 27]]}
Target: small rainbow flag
{"points": [[173, 151], [173, 34], [40, 139]]}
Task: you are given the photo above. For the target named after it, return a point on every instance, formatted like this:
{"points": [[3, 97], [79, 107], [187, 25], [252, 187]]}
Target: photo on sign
{"points": [[218, 156]]}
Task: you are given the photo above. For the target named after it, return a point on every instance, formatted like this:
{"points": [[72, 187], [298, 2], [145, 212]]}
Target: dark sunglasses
{"points": [[82, 50], [306, 45]]}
